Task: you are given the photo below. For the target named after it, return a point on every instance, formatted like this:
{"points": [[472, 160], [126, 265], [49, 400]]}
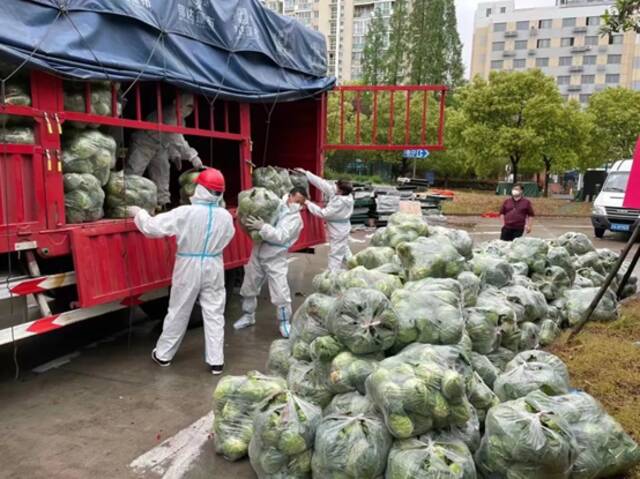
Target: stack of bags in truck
{"points": [[13, 128], [88, 157], [421, 361]]}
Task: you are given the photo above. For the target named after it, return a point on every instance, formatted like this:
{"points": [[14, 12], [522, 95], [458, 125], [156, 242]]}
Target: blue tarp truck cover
{"points": [[236, 49]]}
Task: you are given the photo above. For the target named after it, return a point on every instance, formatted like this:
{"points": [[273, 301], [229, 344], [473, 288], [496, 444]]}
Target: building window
{"points": [[566, 42], [488, 12], [569, 22], [593, 21], [584, 98], [497, 46], [566, 61], [612, 78], [499, 27], [615, 39], [564, 80], [545, 24], [503, 9], [542, 62], [614, 59], [522, 25], [589, 59], [544, 43], [521, 44], [591, 40], [497, 64], [588, 79], [519, 63]]}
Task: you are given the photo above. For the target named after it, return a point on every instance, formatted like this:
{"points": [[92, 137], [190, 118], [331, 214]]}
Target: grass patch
{"points": [[476, 203], [604, 362]]}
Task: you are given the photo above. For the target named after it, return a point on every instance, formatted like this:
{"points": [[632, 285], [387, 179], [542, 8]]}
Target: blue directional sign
{"points": [[419, 154]]}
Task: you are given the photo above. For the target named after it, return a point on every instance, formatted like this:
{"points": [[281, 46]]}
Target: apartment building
{"points": [[562, 40], [343, 22]]}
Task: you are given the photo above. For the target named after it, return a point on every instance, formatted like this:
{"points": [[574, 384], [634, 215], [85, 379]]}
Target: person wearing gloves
{"points": [[202, 230], [337, 214], [269, 262], [152, 151]]}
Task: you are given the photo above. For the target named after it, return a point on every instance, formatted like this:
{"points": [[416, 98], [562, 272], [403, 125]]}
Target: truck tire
{"points": [[599, 232]]}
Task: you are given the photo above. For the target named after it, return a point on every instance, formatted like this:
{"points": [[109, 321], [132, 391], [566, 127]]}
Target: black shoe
{"points": [[158, 361], [217, 370]]}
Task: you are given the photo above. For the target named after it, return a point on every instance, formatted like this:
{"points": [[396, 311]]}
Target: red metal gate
{"points": [[384, 117]]}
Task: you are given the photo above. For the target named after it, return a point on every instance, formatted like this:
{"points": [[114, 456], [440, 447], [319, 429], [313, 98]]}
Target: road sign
{"points": [[418, 154]]}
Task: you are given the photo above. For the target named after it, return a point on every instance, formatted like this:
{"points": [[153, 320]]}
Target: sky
{"points": [[466, 9]]}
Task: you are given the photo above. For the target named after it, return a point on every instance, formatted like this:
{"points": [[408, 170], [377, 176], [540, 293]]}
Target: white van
{"points": [[607, 212]]}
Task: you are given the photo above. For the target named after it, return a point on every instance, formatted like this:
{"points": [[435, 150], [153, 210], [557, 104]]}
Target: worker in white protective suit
{"points": [[151, 151], [269, 262], [337, 214], [202, 230]]}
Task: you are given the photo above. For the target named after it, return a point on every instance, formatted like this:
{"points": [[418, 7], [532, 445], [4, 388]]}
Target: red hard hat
{"points": [[211, 179]]}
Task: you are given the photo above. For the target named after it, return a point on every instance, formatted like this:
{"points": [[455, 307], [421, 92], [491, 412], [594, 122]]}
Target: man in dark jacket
{"points": [[516, 214]]}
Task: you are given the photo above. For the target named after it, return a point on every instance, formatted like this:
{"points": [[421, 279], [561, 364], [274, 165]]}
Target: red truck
{"points": [[107, 265]]}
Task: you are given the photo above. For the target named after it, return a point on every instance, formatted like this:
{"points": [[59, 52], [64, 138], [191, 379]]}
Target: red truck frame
{"points": [[107, 263]]}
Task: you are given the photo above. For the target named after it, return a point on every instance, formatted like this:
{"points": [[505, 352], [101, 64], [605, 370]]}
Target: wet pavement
{"points": [[104, 409]]}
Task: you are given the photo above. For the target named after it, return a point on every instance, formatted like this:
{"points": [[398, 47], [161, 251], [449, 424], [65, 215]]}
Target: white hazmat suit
{"points": [[337, 213], [269, 262], [152, 151], [202, 231]]}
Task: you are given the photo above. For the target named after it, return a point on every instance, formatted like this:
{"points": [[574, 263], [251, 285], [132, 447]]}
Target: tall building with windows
{"points": [[562, 40], [343, 22]]}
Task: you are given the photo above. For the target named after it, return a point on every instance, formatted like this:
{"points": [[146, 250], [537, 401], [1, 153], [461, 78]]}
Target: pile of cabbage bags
{"points": [[424, 360], [89, 151], [274, 179], [83, 198], [16, 129], [123, 191], [101, 102], [260, 203]]}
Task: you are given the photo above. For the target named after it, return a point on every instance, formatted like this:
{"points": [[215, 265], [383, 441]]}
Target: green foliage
{"points": [[616, 117], [395, 59], [624, 16], [374, 50]]}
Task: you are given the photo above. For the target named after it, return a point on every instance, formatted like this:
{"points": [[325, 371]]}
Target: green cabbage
{"points": [[279, 357], [427, 459], [431, 257], [372, 257], [88, 151], [260, 203], [83, 198], [123, 191]]}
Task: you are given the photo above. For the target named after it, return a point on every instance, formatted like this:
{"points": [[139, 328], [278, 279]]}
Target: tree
{"points": [[435, 54], [395, 57], [616, 117], [374, 50], [624, 16], [500, 115]]}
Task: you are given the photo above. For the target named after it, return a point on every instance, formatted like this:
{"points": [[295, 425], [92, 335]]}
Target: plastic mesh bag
{"points": [[460, 239], [299, 180], [500, 358], [123, 191], [525, 442], [279, 357], [549, 331], [89, 151], [497, 248], [364, 321], [578, 300], [482, 325], [351, 447], [349, 372], [20, 135], [236, 401], [429, 311], [575, 243], [187, 185], [485, 368], [372, 257], [83, 198], [603, 448], [531, 251], [427, 459], [560, 257], [361, 277], [326, 282], [531, 371], [258, 202], [273, 179], [468, 433], [492, 270], [470, 287], [531, 302], [416, 395], [308, 323], [284, 433], [592, 261], [349, 404], [100, 98], [430, 258], [552, 282], [409, 221], [529, 335], [325, 348], [309, 381]]}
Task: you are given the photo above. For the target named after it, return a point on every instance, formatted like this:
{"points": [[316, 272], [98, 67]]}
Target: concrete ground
{"points": [[105, 410]]}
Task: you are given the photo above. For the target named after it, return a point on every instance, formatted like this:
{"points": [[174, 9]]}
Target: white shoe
{"points": [[244, 322], [285, 328]]}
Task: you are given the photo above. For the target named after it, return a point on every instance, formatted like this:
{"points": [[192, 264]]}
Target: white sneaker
{"points": [[244, 322], [285, 328]]}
